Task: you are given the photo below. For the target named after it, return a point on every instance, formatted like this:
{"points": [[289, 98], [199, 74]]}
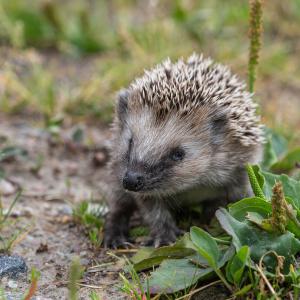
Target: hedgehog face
{"points": [[163, 156]]}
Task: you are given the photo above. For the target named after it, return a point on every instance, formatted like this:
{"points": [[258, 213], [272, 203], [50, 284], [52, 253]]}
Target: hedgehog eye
{"points": [[177, 154], [130, 143]]}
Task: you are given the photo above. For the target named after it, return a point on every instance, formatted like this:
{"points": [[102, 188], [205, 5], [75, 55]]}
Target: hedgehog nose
{"points": [[133, 181]]}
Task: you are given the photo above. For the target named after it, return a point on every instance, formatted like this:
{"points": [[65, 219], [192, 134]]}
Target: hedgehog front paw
{"points": [[163, 238], [114, 241]]}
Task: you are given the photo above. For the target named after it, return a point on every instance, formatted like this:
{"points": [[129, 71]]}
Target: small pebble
{"points": [[12, 284], [11, 266], [6, 188]]}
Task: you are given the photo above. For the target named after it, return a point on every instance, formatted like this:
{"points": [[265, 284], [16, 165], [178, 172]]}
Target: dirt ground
{"points": [[67, 174]]}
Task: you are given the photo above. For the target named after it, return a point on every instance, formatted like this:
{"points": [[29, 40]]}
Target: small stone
{"points": [[11, 266], [84, 261], [12, 284], [65, 210], [6, 188]]}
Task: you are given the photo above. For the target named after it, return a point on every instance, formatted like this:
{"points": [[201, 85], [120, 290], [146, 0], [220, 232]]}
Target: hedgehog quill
{"points": [[188, 127]]}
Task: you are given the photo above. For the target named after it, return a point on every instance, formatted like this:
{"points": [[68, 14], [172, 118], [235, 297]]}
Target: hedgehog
{"points": [[182, 134]]}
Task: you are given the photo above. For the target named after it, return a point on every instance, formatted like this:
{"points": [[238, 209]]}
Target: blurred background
{"points": [[69, 58]]}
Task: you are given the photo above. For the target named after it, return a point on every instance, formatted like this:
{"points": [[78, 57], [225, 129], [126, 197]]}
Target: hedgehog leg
{"points": [[163, 229], [116, 226]]}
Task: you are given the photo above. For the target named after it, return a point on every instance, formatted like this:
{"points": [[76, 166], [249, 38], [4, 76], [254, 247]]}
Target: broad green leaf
{"points": [[291, 187], [256, 210], [240, 209], [259, 241], [236, 266], [174, 275], [279, 142], [269, 157], [158, 255], [275, 147], [206, 245], [147, 258], [142, 254], [287, 163], [228, 254]]}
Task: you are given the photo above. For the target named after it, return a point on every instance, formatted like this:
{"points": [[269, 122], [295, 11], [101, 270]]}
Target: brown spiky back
{"points": [[185, 86]]}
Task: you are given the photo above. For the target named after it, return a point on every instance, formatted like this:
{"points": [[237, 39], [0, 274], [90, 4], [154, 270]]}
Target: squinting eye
{"points": [[177, 154], [130, 142]]}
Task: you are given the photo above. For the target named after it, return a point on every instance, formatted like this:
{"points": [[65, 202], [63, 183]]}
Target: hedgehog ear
{"points": [[218, 127], [122, 104]]}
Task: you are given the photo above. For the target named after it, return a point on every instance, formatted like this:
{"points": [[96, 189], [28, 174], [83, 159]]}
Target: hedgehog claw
{"points": [[163, 239], [115, 242]]}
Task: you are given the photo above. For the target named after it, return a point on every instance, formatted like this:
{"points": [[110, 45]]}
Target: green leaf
{"points": [[240, 209], [275, 147], [244, 290], [147, 258], [160, 254], [260, 221], [236, 266], [174, 275], [287, 163], [206, 245], [139, 231], [291, 187], [279, 142], [269, 157], [259, 241]]}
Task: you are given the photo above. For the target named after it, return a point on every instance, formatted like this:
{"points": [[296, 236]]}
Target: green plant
{"points": [[134, 288], [263, 245], [8, 238], [94, 296], [35, 275], [255, 39], [75, 274], [91, 218], [208, 249]]}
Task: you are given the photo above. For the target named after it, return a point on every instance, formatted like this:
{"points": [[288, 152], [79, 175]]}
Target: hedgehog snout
{"points": [[133, 181]]}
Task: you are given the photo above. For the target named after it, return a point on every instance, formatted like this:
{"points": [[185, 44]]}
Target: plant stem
{"points": [[265, 279], [221, 276], [255, 30], [11, 207]]}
